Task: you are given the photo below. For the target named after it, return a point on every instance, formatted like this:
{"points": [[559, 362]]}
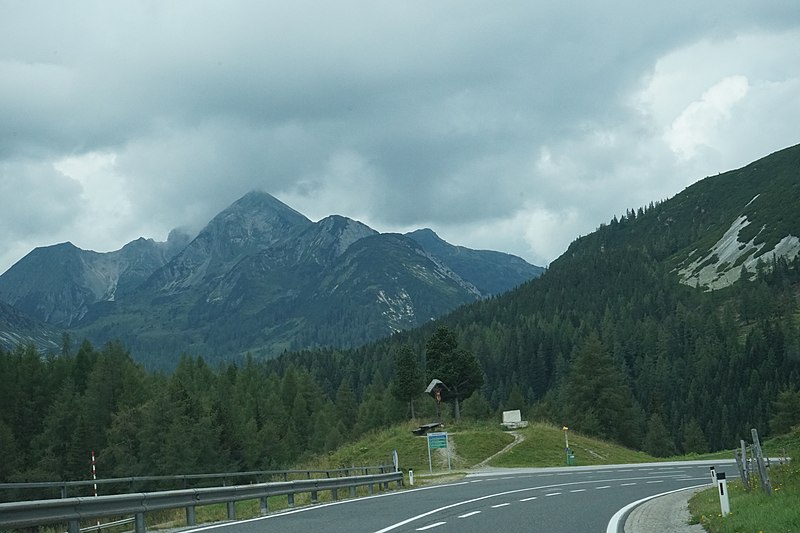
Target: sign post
{"points": [[438, 441], [570, 457]]}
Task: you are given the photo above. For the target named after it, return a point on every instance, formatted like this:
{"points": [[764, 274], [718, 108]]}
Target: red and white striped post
{"points": [[94, 473], [94, 478]]}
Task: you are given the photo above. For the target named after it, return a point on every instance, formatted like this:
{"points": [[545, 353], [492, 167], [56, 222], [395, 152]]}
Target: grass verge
{"points": [[754, 511]]}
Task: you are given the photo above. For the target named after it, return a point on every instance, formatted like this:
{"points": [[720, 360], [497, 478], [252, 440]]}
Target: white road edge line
{"points": [[613, 524]]}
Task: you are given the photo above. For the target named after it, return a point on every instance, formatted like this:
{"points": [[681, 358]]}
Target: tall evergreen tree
{"points": [[694, 441], [408, 381], [597, 398], [456, 367], [658, 441], [785, 412]]}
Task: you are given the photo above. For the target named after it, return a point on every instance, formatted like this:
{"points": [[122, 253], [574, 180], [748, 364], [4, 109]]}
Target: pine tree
{"points": [[408, 382], [657, 441], [694, 441], [456, 367], [785, 412], [597, 398]]}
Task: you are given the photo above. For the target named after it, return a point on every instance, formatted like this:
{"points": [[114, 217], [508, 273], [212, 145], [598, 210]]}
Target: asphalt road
{"points": [[574, 499]]}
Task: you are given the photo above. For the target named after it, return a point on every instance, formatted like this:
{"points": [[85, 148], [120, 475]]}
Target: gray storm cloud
{"points": [[514, 127]]}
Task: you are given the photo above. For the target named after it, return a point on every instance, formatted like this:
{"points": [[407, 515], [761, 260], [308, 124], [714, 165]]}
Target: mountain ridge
{"points": [[260, 277]]}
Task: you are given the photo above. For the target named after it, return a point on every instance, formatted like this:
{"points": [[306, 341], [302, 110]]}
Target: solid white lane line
{"points": [[467, 515], [528, 499], [431, 526], [500, 505]]}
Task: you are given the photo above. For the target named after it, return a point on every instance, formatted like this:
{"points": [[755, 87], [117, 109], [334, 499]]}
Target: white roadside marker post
{"points": [[723, 494], [714, 476]]}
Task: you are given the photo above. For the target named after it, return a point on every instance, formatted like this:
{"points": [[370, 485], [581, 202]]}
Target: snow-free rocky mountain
{"points": [[259, 278]]}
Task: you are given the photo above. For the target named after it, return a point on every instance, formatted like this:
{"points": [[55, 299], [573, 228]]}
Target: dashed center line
{"points": [[553, 494], [500, 505], [603, 487], [578, 490], [467, 515], [528, 499], [658, 481], [627, 484], [431, 526]]}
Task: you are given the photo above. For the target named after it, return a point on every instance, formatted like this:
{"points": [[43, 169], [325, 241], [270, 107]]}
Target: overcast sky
{"points": [[514, 126]]}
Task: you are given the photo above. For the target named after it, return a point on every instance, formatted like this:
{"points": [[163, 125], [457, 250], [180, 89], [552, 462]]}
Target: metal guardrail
{"points": [[73, 510], [187, 479]]}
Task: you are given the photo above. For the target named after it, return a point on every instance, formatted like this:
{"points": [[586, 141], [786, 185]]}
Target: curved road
{"points": [[574, 499]]}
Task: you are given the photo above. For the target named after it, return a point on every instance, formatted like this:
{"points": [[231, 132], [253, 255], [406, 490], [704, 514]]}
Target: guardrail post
{"points": [[231, 510], [74, 526], [352, 491], [139, 523], [371, 488], [291, 500], [191, 519], [264, 506], [334, 494]]}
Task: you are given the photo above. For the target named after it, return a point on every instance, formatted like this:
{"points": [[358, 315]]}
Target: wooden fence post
{"points": [[762, 469]]}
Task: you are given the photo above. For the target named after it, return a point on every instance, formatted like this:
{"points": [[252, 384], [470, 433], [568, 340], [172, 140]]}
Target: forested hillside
{"points": [[608, 341]]}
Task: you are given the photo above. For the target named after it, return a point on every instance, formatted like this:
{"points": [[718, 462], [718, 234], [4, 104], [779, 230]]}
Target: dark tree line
{"points": [[607, 342], [56, 410]]}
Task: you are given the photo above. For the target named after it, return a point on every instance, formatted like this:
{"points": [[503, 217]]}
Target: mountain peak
{"points": [[257, 201]]}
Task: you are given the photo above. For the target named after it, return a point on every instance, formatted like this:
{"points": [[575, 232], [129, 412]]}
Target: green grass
{"points": [[754, 511], [475, 441], [544, 446], [471, 443]]}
